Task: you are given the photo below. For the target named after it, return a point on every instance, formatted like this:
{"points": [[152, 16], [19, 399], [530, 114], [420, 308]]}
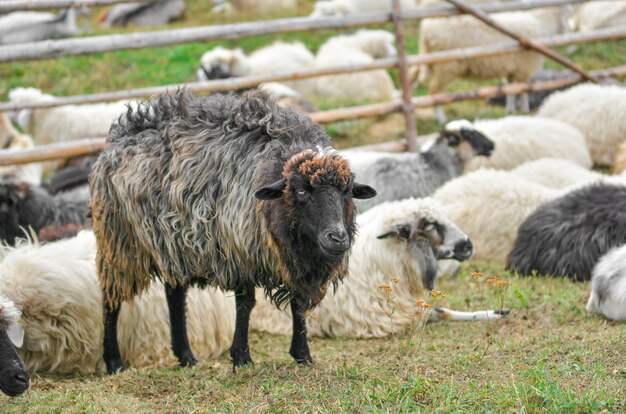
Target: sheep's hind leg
{"points": [[111, 355], [299, 344], [176, 297], [240, 350]]}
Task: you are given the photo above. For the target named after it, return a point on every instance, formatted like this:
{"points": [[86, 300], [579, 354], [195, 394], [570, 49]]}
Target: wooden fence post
{"points": [[407, 104]]}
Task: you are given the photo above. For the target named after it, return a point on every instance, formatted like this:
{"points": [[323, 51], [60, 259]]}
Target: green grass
{"points": [[548, 356]]}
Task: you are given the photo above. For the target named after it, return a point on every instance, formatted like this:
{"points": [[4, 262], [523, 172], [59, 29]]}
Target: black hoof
{"points": [[241, 362], [114, 366], [187, 359], [502, 312], [304, 359]]}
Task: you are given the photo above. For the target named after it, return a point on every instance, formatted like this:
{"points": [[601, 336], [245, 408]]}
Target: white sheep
{"points": [[556, 173], [596, 15], [595, 110], [12, 140], [279, 57], [608, 285], [437, 34], [63, 123], [519, 139], [20, 27], [55, 286], [364, 46], [286, 96], [253, 7], [489, 205], [332, 8], [402, 240]]}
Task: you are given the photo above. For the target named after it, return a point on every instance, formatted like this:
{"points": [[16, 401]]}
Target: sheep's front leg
{"points": [[524, 102], [510, 103], [111, 355], [299, 344], [176, 298], [240, 350]]}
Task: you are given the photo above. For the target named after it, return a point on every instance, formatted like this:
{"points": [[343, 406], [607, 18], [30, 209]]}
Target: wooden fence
{"points": [[97, 44]]}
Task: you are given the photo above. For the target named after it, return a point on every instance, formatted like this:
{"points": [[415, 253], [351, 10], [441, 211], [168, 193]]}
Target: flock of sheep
{"points": [[197, 197]]}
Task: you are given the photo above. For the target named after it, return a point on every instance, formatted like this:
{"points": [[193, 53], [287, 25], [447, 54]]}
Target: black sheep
{"points": [[227, 191]]}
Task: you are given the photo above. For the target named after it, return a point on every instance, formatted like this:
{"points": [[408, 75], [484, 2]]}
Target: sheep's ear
{"points": [[362, 191], [16, 334], [271, 191]]}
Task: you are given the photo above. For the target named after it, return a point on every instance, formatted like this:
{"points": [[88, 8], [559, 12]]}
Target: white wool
{"points": [[489, 206], [361, 47], [597, 15], [64, 123], [252, 7], [520, 139], [9, 312], [279, 57], [556, 173], [56, 287], [333, 8], [595, 110], [444, 33], [358, 307], [608, 285], [26, 173], [458, 124]]}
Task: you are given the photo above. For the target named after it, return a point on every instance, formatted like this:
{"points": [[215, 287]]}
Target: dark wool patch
{"points": [[567, 236]]}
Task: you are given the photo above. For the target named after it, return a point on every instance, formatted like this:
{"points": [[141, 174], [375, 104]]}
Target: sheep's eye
{"points": [[429, 228], [301, 192]]}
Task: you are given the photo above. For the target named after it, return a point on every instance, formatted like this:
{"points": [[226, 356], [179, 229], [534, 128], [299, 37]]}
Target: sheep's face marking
{"points": [[467, 141], [13, 375], [317, 189]]}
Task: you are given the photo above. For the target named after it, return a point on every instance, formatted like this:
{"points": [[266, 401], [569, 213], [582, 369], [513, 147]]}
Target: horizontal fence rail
{"points": [[94, 145], [16, 5], [248, 82], [50, 49]]}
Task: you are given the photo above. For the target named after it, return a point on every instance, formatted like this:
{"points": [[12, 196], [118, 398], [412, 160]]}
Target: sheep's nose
{"points": [[338, 236], [22, 377], [463, 250]]}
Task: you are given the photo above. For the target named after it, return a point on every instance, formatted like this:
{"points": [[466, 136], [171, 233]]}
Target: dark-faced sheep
{"points": [[567, 236], [24, 206], [13, 375], [400, 176], [228, 191]]}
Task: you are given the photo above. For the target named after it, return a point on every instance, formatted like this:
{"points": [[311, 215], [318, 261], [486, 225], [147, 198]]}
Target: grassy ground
{"points": [[548, 356]]}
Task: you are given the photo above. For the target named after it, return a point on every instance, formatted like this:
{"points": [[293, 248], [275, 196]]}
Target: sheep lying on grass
{"points": [[400, 176], [21, 27], [401, 239], [56, 287], [608, 285], [253, 7], [363, 46], [24, 206], [591, 16], [333, 8], [150, 13], [556, 173], [12, 140], [436, 35], [233, 192], [279, 57], [13, 375], [596, 111], [63, 123], [519, 139], [489, 206], [567, 236]]}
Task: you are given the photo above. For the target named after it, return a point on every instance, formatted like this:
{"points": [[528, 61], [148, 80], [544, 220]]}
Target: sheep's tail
{"points": [[445, 314]]}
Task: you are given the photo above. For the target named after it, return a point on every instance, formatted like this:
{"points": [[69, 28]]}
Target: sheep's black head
{"points": [[421, 226], [317, 189], [13, 375], [466, 140], [12, 196]]}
